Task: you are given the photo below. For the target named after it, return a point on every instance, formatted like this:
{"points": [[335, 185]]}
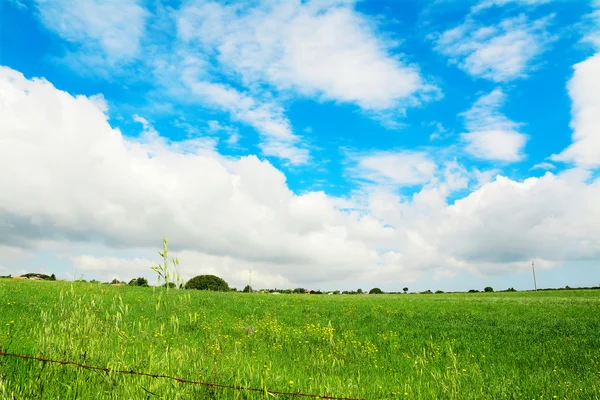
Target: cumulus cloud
{"points": [[315, 48], [491, 135], [501, 52], [584, 89], [80, 189]]}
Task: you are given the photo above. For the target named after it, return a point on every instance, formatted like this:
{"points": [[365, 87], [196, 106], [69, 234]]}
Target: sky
{"points": [[325, 144]]}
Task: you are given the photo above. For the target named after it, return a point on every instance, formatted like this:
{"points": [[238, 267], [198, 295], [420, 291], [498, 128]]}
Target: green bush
{"points": [[488, 289], [300, 290], [207, 282], [375, 290], [439, 291]]}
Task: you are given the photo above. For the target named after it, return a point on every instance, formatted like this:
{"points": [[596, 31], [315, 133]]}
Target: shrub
{"points": [[439, 291], [247, 289], [488, 289], [375, 290], [473, 291], [300, 290], [171, 285], [359, 291], [511, 289], [52, 277], [207, 282], [427, 292]]}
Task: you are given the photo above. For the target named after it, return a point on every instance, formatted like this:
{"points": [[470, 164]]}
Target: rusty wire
{"points": [[181, 380]]}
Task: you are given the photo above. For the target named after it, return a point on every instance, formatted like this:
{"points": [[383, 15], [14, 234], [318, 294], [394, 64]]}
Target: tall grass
{"points": [[458, 346]]}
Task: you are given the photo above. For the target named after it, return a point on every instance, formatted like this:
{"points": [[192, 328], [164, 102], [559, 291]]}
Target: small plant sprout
{"points": [[163, 270]]}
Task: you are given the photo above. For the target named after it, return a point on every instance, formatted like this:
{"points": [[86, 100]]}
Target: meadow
{"points": [[523, 345]]}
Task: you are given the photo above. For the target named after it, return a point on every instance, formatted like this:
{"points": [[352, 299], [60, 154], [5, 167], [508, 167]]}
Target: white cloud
{"points": [[108, 200], [491, 135], [115, 27], [584, 89], [127, 192], [400, 168], [185, 79], [484, 4], [501, 52], [18, 4], [552, 218], [593, 35], [544, 165], [316, 48]]}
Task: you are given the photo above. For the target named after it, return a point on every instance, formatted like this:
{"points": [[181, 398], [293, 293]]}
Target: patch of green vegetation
{"points": [[493, 345]]}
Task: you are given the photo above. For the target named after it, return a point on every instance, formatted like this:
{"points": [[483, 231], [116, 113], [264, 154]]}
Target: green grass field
{"points": [[520, 345]]}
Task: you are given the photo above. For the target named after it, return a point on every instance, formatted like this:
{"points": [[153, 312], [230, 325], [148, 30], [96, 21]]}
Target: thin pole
{"points": [[250, 277], [534, 282]]}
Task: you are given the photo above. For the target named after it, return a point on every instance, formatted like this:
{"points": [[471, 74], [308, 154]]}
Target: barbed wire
{"points": [[181, 380]]}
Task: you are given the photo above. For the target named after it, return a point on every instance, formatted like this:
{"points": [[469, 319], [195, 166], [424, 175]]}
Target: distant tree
{"points": [[207, 282], [359, 291], [375, 290], [511, 289], [427, 292], [115, 282], [247, 289], [288, 291], [52, 277], [36, 275], [488, 289], [172, 285], [300, 290], [405, 290], [336, 292], [439, 291], [141, 281], [473, 291]]}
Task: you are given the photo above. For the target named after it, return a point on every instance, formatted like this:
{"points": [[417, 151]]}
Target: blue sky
{"points": [[327, 143]]}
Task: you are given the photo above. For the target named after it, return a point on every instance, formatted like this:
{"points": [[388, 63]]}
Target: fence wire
{"points": [[177, 379]]}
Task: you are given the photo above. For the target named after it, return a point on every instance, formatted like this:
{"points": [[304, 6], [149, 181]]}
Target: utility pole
{"points": [[534, 282], [250, 277]]}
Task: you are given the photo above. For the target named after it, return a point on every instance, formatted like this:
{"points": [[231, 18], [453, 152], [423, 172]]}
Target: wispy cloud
{"points": [[107, 32], [392, 168], [491, 135], [484, 4], [501, 52], [544, 165]]}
